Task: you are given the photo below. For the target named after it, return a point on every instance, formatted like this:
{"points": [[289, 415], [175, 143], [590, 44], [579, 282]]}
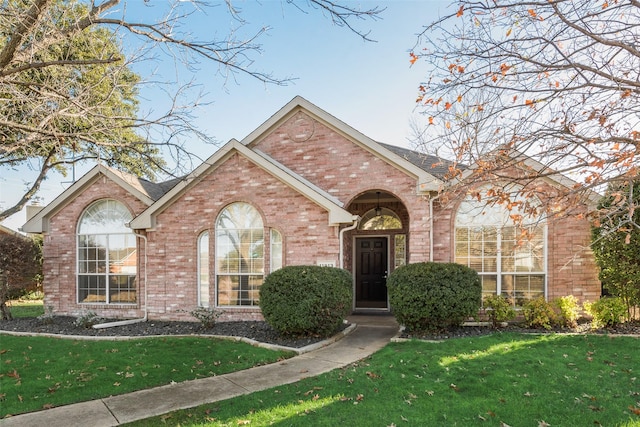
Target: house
{"points": [[303, 188]]}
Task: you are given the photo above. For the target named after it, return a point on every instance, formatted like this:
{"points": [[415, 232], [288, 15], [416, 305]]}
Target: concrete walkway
{"points": [[372, 332]]}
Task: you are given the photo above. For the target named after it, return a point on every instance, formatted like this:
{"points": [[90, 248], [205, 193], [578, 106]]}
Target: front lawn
{"points": [[42, 372], [498, 380]]}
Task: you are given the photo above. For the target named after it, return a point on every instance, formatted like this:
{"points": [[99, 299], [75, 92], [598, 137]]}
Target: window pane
{"points": [[400, 249], [122, 289], [276, 250], [92, 289], [462, 248], [489, 284], [239, 290]]}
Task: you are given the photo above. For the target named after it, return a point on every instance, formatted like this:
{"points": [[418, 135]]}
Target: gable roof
{"points": [[426, 181], [142, 189], [337, 215]]}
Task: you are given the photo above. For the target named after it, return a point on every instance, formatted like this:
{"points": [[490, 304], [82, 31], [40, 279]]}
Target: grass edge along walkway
{"points": [[39, 372], [498, 380]]}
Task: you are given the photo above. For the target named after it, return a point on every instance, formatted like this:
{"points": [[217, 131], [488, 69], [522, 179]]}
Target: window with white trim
{"points": [[107, 255], [239, 255], [203, 269], [510, 259]]}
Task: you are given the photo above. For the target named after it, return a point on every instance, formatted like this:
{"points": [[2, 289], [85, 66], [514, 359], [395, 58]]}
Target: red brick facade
{"points": [[336, 164]]}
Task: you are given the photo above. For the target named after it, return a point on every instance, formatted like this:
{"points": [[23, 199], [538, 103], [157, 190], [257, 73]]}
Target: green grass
{"points": [[26, 308], [518, 380], [42, 372]]}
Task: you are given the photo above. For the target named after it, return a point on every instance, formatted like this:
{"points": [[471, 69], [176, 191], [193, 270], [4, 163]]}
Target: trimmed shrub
{"points": [[87, 320], [538, 313], [607, 311], [429, 295], [207, 316], [498, 309], [568, 311], [306, 299]]}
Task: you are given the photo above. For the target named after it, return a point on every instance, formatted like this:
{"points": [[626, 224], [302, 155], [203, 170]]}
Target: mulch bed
{"points": [[584, 327], [262, 332], [65, 325]]}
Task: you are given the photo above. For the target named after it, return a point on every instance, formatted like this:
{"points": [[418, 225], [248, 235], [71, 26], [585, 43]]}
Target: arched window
{"points": [[510, 258], [239, 255], [107, 256], [380, 219], [203, 269]]}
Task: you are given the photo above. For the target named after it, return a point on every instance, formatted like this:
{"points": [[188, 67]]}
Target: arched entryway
{"points": [[378, 246]]}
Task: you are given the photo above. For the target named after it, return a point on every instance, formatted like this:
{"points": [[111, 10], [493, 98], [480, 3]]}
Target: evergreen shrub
{"points": [[429, 295], [306, 300]]}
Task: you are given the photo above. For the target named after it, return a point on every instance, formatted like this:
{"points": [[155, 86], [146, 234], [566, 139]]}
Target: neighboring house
{"points": [[303, 188]]}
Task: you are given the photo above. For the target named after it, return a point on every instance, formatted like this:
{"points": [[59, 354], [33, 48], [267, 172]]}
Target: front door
{"points": [[371, 272]]}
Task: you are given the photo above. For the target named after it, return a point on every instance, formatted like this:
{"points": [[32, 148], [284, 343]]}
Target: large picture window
{"points": [[107, 257], [510, 259], [239, 255]]}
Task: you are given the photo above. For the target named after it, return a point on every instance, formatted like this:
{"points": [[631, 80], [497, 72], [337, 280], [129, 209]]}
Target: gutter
{"points": [[132, 321], [355, 219], [431, 199]]}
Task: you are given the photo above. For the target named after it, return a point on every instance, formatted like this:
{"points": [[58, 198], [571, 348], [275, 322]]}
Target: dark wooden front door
{"points": [[371, 272]]}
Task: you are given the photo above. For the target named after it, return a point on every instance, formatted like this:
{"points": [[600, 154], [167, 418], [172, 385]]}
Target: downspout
{"points": [[431, 199], [139, 320], [355, 219]]}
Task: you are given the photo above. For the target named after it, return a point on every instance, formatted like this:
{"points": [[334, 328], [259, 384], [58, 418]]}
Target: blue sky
{"points": [[369, 86]]}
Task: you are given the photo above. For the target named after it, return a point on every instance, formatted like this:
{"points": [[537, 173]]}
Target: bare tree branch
{"points": [[69, 94], [558, 81]]}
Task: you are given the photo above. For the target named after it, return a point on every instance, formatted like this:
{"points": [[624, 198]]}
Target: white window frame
{"points": [[203, 269], [255, 276], [276, 247], [129, 294], [497, 218]]}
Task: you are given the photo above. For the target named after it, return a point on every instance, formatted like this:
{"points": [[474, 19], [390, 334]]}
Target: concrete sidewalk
{"points": [[372, 332]]}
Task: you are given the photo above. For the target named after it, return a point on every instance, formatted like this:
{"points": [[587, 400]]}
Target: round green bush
{"points": [[306, 300], [428, 295]]}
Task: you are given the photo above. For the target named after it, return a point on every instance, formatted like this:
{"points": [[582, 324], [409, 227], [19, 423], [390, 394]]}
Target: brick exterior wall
{"points": [[326, 158], [345, 170], [60, 252], [307, 237]]}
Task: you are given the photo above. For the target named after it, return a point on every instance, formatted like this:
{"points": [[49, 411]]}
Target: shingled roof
{"points": [[436, 166]]}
